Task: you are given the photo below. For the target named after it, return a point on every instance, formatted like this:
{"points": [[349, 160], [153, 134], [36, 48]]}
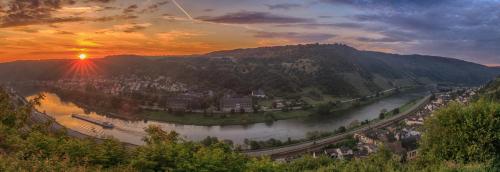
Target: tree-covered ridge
{"points": [[331, 68]]}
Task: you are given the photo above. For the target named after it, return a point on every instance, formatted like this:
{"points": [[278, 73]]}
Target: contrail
{"points": [[182, 9]]}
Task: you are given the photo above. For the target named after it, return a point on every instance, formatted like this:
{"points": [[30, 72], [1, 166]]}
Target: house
{"points": [[278, 103], [414, 121], [365, 139], [236, 104], [344, 153], [340, 153], [178, 103], [370, 148], [258, 94], [184, 102]]}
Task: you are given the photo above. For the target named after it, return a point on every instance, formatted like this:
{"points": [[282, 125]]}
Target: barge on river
{"points": [[103, 124]]}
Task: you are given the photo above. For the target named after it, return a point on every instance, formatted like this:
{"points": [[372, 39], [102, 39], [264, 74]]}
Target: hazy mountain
{"points": [[332, 69]]}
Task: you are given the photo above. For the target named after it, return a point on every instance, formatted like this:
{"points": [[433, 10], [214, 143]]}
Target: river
{"points": [[133, 131]]}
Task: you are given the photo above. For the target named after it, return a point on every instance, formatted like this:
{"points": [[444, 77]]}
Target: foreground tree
{"points": [[463, 133]]}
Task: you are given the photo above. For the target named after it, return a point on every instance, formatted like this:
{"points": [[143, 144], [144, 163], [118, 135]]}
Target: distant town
{"points": [[165, 94], [401, 137]]}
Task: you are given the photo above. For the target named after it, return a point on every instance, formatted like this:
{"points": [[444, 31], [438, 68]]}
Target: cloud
{"points": [[133, 27], [130, 9], [252, 17], [176, 35], [78, 10], [456, 28], [107, 8], [284, 6], [38, 12], [388, 3], [26, 12], [61, 32], [154, 7], [382, 40], [295, 36], [325, 17], [99, 1], [112, 18], [315, 25]]}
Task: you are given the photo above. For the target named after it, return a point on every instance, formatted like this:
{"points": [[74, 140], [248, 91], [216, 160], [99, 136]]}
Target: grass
{"points": [[223, 119]]}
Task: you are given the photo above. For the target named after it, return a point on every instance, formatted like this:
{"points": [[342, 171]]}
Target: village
{"points": [[165, 94], [400, 138]]}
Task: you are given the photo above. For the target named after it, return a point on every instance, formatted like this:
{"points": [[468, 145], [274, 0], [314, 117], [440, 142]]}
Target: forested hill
{"points": [[331, 69]]}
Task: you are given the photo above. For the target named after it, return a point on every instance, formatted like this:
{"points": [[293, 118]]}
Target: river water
{"points": [[133, 131]]}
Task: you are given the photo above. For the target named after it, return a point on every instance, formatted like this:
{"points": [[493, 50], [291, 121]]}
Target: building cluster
{"points": [[118, 85], [209, 103], [400, 138], [174, 95]]}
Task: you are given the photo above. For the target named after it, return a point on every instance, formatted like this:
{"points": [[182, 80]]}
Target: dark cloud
{"points": [[130, 9], [27, 30], [456, 28], [113, 18], [99, 1], [107, 8], [34, 12], [382, 40], [26, 12], [320, 25], [284, 6], [208, 10], [62, 32], [295, 36], [154, 7], [134, 28], [325, 17], [252, 17], [388, 3]]}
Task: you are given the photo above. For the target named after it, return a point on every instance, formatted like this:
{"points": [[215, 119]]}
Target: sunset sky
{"points": [[47, 29]]}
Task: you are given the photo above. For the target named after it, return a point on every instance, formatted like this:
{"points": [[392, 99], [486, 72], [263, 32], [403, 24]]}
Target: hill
{"points": [[333, 69]]}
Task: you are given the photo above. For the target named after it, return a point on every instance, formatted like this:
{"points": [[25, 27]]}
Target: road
{"points": [[317, 145], [370, 96]]}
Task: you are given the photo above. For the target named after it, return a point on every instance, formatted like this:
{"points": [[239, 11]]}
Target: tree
{"points": [[382, 114], [395, 111], [209, 141], [463, 133], [157, 135], [323, 109]]}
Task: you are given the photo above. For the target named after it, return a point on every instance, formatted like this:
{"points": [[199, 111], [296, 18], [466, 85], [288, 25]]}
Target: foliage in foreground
{"points": [[467, 140]]}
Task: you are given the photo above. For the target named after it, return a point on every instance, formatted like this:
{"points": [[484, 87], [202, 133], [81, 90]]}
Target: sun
{"points": [[82, 56]]}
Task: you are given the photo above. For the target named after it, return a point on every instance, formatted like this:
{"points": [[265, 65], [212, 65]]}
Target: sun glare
{"points": [[82, 56]]}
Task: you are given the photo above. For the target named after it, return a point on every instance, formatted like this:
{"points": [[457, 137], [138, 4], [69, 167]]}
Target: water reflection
{"points": [[133, 131]]}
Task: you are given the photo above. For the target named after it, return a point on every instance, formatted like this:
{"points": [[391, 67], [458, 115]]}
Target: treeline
{"points": [[457, 138]]}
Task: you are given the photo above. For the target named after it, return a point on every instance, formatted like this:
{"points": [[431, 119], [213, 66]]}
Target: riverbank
{"points": [[311, 136], [202, 119], [259, 117], [223, 119], [320, 143]]}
